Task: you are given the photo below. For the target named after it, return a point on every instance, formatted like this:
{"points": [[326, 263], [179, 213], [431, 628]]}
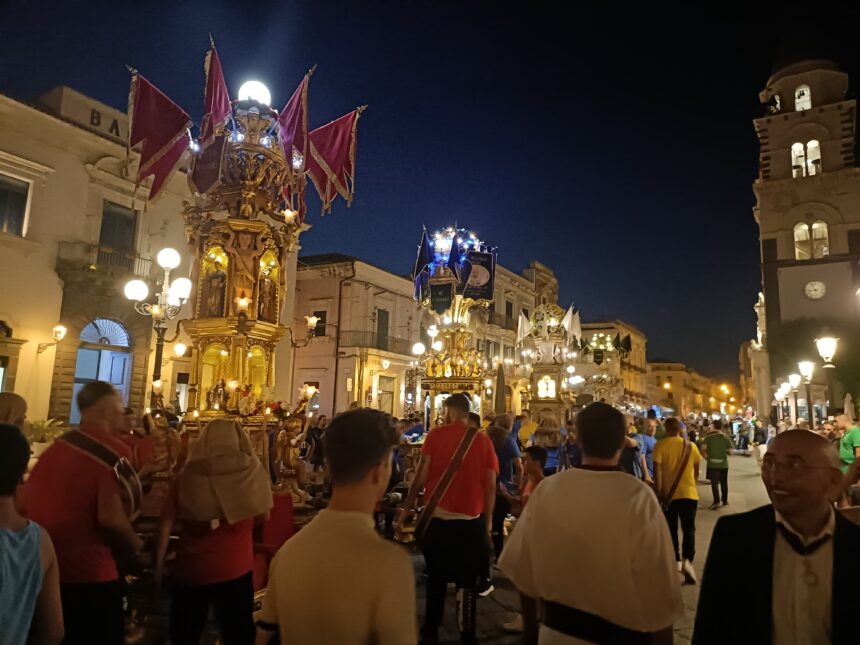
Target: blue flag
{"points": [[425, 255], [454, 259]]}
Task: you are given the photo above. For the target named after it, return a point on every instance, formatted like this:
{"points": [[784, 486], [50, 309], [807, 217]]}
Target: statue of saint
{"points": [[214, 287], [245, 249], [266, 304]]}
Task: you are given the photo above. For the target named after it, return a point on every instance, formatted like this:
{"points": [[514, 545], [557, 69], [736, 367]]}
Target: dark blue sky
{"points": [[613, 144]]}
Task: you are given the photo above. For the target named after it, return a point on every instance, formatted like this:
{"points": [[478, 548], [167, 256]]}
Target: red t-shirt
{"points": [[205, 556], [465, 495], [61, 494]]}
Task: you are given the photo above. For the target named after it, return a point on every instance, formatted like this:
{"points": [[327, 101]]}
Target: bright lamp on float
{"points": [[255, 91], [168, 258], [571, 369], [136, 290]]}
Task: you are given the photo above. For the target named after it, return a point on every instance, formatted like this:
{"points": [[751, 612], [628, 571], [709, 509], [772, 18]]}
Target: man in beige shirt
{"points": [[338, 581]]}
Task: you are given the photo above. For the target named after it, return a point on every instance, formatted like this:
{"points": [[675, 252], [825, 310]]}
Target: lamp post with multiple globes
{"points": [[806, 369], [168, 302]]}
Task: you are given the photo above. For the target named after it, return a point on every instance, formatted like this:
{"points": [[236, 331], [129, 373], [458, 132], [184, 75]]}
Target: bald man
{"points": [[801, 559]]}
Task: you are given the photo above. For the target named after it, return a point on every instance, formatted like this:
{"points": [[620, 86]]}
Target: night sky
{"points": [[614, 144]]}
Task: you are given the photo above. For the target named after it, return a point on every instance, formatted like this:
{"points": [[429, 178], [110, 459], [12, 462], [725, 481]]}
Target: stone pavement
{"points": [[746, 492]]}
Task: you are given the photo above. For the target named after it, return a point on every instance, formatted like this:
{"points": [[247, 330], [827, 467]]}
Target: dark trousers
{"points": [[719, 483], [685, 510], [92, 613], [233, 602], [455, 551], [500, 512]]}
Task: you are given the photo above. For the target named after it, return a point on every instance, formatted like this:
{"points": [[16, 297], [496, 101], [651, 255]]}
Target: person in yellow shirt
{"points": [[668, 457], [527, 428]]}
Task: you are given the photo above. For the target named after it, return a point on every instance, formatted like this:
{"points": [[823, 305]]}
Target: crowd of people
{"points": [[608, 569]]}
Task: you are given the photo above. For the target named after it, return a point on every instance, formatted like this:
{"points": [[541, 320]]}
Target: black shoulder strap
{"points": [[101, 452]]}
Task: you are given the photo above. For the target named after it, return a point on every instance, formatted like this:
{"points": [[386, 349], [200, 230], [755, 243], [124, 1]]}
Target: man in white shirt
{"points": [[593, 547], [807, 556], [337, 580]]}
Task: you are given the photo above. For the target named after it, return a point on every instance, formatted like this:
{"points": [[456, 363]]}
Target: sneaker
{"points": [[714, 506], [485, 588], [515, 626], [725, 503], [689, 573]]}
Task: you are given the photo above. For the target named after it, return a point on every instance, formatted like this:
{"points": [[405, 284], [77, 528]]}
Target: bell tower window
{"points": [[798, 160], [802, 98], [813, 158], [811, 241]]}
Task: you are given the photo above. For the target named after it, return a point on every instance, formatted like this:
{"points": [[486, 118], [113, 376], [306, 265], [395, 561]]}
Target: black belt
{"points": [[590, 627]]}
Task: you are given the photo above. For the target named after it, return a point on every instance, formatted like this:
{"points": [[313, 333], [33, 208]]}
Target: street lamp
{"points": [[794, 382], [58, 332], [806, 369], [167, 304], [826, 346]]}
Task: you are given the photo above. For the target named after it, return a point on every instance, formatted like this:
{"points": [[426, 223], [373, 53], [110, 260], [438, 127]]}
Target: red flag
{"points": [[216, 103], [293, 124], [158, 126], [162, 169], [331, 164]]}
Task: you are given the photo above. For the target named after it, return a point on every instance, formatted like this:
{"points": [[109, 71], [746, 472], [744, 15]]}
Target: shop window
{"points": [[13, 205], [802, 98]]}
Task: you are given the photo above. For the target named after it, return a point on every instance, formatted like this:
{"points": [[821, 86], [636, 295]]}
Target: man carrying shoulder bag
{"points": [[463, 467], [676, 470]]}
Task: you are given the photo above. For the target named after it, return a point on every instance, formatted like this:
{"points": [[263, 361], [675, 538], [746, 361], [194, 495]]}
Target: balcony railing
{"points": [[503, 321], [84, 256], [373, 340]]}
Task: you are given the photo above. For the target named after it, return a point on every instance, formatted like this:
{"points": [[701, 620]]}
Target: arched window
{"points": [[802, 98], [813, 158], [811, 241], [798, 160], [103, 331], [820, 240]]}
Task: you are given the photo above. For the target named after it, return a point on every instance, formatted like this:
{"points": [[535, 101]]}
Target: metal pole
{"points": [[160, 331], [796, 407]]}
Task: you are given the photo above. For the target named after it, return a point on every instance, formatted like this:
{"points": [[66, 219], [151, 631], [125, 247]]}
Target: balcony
{"points": [[81, 256], [501, 320], [372, 340]]}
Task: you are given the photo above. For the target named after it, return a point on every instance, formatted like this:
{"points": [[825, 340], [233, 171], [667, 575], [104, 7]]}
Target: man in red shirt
{"points": [[456, 542], [76, 497]]}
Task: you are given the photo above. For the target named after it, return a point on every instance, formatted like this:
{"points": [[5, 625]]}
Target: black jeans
{"points": [[685, 510], [719, 483], [500, 512], [92, 613], [233, 601], [455, 551]]}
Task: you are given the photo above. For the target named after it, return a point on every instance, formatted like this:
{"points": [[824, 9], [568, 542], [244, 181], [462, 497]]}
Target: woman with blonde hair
{"points": [[217, 497], [13, 409], [549, 436]]}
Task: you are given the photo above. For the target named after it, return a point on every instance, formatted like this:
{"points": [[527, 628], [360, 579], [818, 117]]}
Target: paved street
{"points": [[745, 492]]}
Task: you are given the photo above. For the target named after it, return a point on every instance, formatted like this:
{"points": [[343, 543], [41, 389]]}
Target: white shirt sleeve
{"points": [[655, 574]]}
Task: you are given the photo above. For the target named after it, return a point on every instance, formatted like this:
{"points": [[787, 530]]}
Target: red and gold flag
{"points": [[293, 125], [216, 102], [159, 130], [331, 164]]}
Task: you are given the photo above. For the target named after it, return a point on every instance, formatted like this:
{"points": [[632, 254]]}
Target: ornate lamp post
{"points": [[826, 345], [794, 382], [168, 302]]}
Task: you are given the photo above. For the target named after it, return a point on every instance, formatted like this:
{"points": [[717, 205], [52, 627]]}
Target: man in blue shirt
{"points": [[415, 430], [646, 441]]}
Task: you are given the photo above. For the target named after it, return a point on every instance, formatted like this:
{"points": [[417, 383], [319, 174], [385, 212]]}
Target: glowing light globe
{"points": [[255, 91], [168, 258], [136, 290]]}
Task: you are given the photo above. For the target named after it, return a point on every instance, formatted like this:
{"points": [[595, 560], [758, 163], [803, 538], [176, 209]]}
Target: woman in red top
{"points": [[216, 498]]}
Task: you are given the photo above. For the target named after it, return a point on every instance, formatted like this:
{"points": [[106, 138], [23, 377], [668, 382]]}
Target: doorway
{"points": [[385, 394], [104, 355]]}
